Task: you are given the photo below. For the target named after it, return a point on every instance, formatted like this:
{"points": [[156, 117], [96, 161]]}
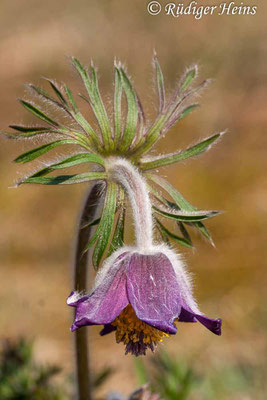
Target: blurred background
{"points": [[38, 223]]}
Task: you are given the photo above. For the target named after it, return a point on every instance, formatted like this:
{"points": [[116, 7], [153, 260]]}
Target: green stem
{"points": [[84, 379]]}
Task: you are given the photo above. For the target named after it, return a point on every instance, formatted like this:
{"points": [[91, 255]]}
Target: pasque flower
{"points": [[140, 291], [140, 296]]}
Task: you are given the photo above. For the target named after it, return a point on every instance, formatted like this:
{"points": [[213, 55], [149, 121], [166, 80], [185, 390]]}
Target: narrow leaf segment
{"points": [[186, 216], [39, 151], [104, 230], [192, 151], [132, 113], [173, 236], [160, 84], [66, 163], [66, 179], [179, 200], [91, 85]]}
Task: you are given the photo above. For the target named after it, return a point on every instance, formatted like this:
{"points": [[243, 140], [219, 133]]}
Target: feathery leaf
{"points": [[132, 113], [192, 151], [58, 92], [179, 200], [160, 84], [186, 216], [117, 106], [188, 78], [70, 162], [95, 100], [66, 179], [102, 235], [28, 131], [38, 113], [117, 240], [171, 235], [39, 151]]}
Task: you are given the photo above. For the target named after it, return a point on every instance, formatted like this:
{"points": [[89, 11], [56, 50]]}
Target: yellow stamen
{"points": [[136, 334]]}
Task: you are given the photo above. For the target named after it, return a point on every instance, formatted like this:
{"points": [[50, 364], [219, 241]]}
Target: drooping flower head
{"points": [[140, 292], [140, 296]]}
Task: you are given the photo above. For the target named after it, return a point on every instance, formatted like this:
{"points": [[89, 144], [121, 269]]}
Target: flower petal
{"points": [[107, 300], [186, 316], [75, 298], [214, 325], [108, 328], [153, 290]]}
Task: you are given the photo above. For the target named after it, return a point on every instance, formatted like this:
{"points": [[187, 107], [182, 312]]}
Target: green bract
{"points": [[120, 135]]}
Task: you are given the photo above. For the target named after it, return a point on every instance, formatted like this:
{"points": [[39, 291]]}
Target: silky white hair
{"points": [[123, 172]]}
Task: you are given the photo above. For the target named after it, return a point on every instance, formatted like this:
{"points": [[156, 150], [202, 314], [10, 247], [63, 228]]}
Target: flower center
{"points": [[136, 334]]}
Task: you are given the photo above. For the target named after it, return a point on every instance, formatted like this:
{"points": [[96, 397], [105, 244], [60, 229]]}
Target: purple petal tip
{"points": [[214, 325]]}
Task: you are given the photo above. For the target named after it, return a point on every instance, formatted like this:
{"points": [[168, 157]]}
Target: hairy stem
{"points": [[84, 380], [123, 172]]}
